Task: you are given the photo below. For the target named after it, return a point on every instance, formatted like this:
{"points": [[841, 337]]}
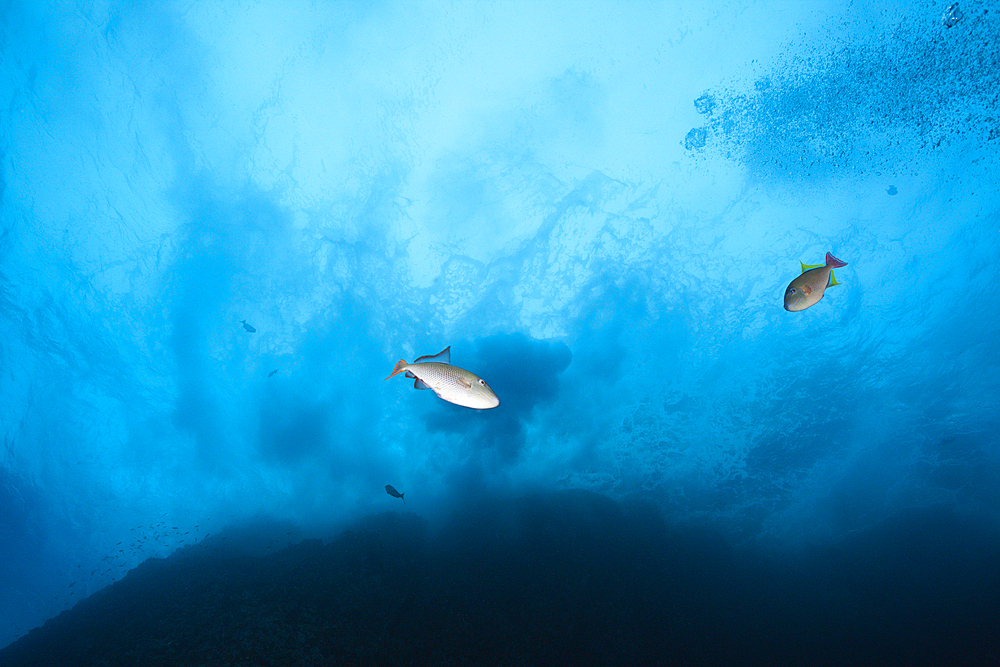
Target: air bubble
{"points": [[705, 104], [695, 138]]}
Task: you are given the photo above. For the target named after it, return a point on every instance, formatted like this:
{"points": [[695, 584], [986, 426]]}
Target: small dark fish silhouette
{"points": [[248, 327], [272, 372], [394, 493]]}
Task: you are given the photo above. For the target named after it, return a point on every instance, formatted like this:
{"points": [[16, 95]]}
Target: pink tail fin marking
{"points": [[834, 262]]}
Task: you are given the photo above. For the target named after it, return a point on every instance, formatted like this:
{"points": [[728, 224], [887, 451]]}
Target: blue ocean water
{"points": [[598, 206]]}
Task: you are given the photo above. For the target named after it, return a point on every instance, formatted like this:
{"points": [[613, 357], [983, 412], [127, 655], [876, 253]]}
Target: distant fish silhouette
{"points": [[272, 372], [394, 493], [248, 327]]}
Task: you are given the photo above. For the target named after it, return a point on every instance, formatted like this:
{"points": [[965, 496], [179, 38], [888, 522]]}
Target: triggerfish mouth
{"points": [[451, 383], [808, 288]]}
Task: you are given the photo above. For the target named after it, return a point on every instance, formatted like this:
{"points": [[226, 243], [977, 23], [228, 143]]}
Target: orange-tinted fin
{"points": [[400, 365]]}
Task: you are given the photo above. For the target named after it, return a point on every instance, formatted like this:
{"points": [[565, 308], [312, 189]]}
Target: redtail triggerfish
{"points": [[808, 288], [451, 383]]}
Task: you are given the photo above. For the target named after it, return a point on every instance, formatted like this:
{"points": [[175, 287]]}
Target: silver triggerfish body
{"points": [[451, 383], [808, 288]]}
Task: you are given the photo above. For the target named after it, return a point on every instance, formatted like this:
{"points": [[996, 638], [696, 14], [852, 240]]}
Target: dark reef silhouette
{"points": [[567, 578]]}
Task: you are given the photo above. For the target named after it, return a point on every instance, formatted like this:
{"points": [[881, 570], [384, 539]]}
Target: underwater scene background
{"points": [[223, 223]]}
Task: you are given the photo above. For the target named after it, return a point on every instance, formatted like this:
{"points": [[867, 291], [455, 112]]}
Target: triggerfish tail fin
{"points": [[442, 357], [833, 280], [400, 365], [834, 262]]}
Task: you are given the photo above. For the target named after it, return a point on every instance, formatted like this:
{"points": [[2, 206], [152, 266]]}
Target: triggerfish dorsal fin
{"points": [[806, 267], [442, 357]]}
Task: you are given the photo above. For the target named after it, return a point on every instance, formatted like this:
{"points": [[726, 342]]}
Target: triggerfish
{"points": [[394, 493], [451, 383], [808, 288]]}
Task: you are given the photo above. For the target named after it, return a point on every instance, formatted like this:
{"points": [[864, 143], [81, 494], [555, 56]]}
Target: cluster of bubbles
{"points": [[857, 105]]}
